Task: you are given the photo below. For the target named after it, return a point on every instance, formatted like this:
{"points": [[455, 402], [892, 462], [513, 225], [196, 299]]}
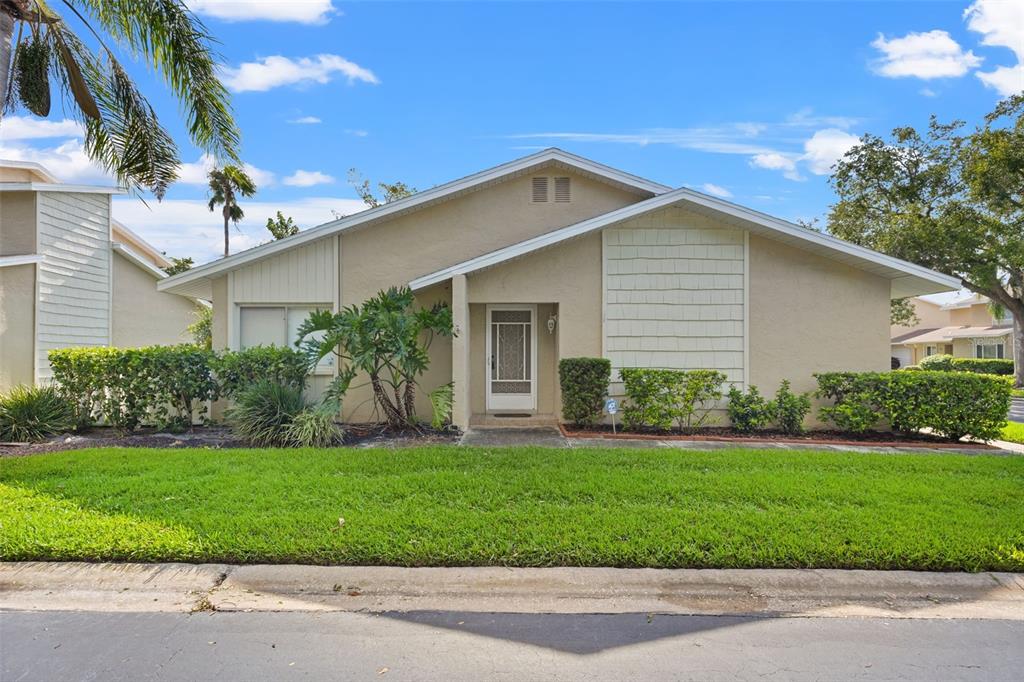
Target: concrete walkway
{"points": [[42, 586], [1017, 410], [548, 436]]}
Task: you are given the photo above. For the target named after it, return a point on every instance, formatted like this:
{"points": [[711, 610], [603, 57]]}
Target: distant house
{"points": [[70, 275], [554, 256], [964, 328]]}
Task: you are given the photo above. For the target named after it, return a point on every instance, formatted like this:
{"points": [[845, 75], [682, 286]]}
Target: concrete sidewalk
{"points": [[39, 586]]}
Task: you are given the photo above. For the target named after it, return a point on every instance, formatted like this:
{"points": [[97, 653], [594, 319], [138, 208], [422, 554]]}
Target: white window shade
{"points": [[262, 327]]}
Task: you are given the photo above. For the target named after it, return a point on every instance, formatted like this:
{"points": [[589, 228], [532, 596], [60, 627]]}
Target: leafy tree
{"points": [[390, 192], [902, 313], [947, 199], [225, 185], [281, 226], [122, 131], [202, 329], [388, 339], [179, 265]]}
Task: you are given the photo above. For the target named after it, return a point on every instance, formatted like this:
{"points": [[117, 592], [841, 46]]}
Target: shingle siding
{"points": [[674, 293], [74, 276]]}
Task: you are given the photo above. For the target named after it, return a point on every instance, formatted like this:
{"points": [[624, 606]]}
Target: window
{"points": [[276, 326], [540, 190], [989, 350], [562, 190], [929, 351]]}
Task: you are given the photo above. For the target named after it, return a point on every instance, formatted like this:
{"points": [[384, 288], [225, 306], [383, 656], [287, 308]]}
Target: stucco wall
{"points": [[973, 316], [17, 325], [812, 314], [144, 316], [17, 223], [929, 315]]}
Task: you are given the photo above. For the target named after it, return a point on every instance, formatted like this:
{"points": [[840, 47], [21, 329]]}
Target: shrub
{"points": [[937, 363], [236, 370], [441, 405], [264, 411], [748, 411], [314, 428], [31, 413], [951, 404], [584, 384], [660, 397], [789, 409], [983, 365]]}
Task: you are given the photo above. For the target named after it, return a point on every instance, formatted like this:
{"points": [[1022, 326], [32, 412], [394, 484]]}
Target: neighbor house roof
{"points": [[907, 278], [943, 334], [419, 200]]}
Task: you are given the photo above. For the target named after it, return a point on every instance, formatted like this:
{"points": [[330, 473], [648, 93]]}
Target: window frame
{"points": [[999, 345], [327, 365]]}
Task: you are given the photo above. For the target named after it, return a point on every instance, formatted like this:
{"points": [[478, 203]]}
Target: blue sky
{"points": [[751, 101]]}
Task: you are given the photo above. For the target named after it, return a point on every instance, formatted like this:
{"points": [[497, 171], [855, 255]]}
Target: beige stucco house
{"points": [[553, 256], [963, 328], [70, 275]]}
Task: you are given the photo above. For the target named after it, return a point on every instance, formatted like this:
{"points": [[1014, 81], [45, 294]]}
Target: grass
{"points": [[1014, 432], [521, 507], [1017, 392]]}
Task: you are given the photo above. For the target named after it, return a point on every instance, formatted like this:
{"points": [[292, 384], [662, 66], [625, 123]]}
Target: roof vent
{"points": [[540, 190], [561, 190]]}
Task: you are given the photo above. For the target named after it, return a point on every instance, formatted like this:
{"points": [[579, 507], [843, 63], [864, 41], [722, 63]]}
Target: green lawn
{"points": [[522, 507], [1014, 432]]}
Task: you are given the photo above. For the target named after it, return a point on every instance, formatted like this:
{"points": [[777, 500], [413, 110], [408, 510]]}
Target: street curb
{"points": [[755, 592]]}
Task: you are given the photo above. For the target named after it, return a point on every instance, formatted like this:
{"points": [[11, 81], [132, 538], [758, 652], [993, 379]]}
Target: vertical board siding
{"points": [[674, 293], [301, 275], [74, 276]]}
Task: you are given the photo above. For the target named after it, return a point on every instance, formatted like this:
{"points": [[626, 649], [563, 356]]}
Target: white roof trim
{"points": [[414, 201], [57, 187], [27, 259], [150, 250], [691, 197], [138, 260], [29, 165]]}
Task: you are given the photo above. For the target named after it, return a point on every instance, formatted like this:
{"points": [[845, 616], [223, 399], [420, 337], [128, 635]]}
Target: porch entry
{"points": [[511, 355]]}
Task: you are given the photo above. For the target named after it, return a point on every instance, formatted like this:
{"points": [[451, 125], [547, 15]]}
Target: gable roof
{"points": [[907, 278], [419, 200]]}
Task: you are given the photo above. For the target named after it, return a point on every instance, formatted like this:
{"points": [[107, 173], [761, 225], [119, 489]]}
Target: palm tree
{"points": [[122, 132], [225, 184]]}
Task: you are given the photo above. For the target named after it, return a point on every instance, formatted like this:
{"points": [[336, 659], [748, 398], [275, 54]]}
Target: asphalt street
{"points": [[431, 645]]}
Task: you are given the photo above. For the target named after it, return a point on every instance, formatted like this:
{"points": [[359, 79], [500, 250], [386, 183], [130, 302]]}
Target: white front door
{"points": [[511, 357]]}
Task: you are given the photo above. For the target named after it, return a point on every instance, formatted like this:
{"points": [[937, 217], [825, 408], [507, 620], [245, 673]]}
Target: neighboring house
{"points": [[70, 275], [554, 256], [964, 328]]}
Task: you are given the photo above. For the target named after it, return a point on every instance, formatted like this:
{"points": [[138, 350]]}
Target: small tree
{"points": [[391, 192], [282, 226], [179, 265], [387, 339], [225, 185], [202, 329]]}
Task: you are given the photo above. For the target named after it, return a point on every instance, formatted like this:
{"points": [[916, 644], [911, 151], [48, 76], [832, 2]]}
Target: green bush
{"points": [[264, 411], [951, 404], [441, 405], [983, 365], [937, 363], [789, 409], [314, 428], [584, 383], [659, 398], [236, 370], [32, 413], [748, 411]]}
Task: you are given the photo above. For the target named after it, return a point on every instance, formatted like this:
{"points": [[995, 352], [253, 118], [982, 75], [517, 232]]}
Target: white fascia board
{"points": [[139, 260], [416, 200], [29, 165], [148, 248], [57, 187], [27, 259], [683, 194]]}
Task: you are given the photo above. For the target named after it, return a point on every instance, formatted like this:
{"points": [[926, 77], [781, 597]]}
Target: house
{"points": [[553, 256], [70, 275], [963, 328]]}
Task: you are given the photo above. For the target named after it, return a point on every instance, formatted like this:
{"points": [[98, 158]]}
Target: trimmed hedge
{"points": [[584, 383], [659, 398], [162, 385], [948, 363], [951, 404]]}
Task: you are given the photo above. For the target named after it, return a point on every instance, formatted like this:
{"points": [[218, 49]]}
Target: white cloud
{"points": [[66, 161], [717, 190], [923, 55], [30, 128], [825, 148], [779, 162], [300, 11], [928, 92], [186, 227], [303, 178], [1001, 24], [196, 173], [306, 120], [356, 133], [276, 71]]}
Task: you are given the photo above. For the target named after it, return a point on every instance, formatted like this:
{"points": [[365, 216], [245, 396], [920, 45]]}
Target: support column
{"points": [[460, 353]]}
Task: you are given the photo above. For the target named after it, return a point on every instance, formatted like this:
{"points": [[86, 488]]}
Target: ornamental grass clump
{"points": [[264, 411], [32, 413]]}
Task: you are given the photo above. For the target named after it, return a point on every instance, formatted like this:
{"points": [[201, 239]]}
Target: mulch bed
{"points": [[726, 435], [217, 437]]}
